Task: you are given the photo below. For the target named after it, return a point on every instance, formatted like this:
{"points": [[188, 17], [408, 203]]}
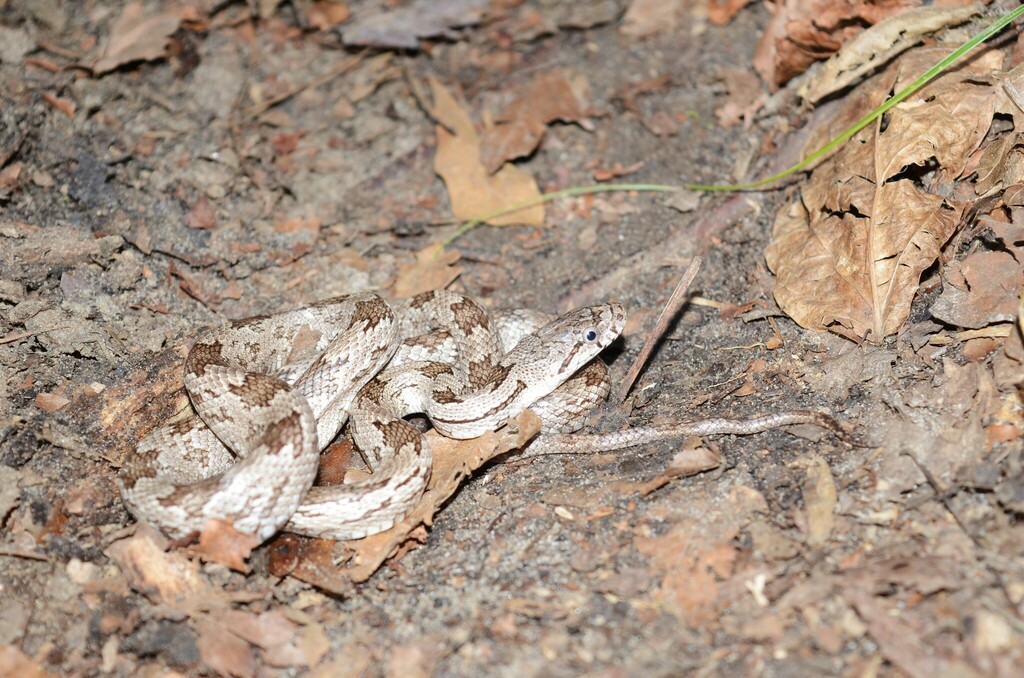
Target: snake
{"points": [[269, 392]]}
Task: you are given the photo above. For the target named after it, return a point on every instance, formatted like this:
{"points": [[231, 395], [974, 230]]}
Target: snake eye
{"points": [[590, 335]]}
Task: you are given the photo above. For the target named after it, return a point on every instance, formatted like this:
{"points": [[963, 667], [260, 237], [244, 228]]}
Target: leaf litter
{"points": [[826, 557], [802, 32], [135, 36], [519, 127], [849, 253], [472, 189]]}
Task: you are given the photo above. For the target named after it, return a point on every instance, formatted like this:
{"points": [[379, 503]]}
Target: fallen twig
{"points": [[672, 307]]}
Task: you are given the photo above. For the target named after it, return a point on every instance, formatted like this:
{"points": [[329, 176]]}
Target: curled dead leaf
{"points": [[878, 45], [555, 95], [690, 462], [434, 269], [804, 31], [474, 191], [221, 543], [454, 461], [134, 37], [849, 253]]}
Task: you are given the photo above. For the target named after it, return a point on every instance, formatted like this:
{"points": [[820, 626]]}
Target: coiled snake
{"points": [[270, 391]]}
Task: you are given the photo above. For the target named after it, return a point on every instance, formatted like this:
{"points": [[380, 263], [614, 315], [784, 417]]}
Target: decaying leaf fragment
{"points": [[471, 188], [880, 43], [804, 31], [134, 37], [850, 252], [980, 290], [434, 269], [454, 461], [554, 95]]}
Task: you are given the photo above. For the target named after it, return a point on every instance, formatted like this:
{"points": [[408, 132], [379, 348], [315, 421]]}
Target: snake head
{"points": [[572, 340], [539, 363]]}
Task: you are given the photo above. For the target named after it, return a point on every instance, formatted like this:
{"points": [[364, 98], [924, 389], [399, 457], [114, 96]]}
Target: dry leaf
{"points": [[334, 462], [660, 124], [202, 214], [980, 290], [511, 140], [692, 462], [849, 254], [308, 560], [226, 634], [689, 561], [629, 93], [555, 95], [434, 269], [617, 170], [298, 225], [721, 12], [9, 176], [878, 45], [51, 402], [698, 552], [472, 190], [326, 14], [804, 31], [65, 106], [166, 578], [223, 651], [221, 543], [135, 38], [558, 94], [454, 461], [1001, 165]]}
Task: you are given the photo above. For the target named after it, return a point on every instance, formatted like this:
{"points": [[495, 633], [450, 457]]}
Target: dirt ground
{"points": [[168, 166]]}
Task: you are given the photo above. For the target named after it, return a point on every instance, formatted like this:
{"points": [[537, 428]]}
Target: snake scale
{"points": [[270, 391]]}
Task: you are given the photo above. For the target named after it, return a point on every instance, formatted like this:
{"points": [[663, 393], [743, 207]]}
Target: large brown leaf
{"points": [[473, 190], [135, 37], [850, 251]]}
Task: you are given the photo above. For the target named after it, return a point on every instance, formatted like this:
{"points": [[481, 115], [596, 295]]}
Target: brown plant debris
{"points": [[473, 190], [850, 251], [134, 37]]}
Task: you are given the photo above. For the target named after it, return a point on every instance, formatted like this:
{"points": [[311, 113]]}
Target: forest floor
{"points": [[167, 166]]}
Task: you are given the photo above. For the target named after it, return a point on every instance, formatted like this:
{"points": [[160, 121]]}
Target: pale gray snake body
{"points": [[269, 392]]}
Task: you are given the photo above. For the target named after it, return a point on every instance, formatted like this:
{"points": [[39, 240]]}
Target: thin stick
{"points": [[19, 553], [17, 336], [675, 302]]}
